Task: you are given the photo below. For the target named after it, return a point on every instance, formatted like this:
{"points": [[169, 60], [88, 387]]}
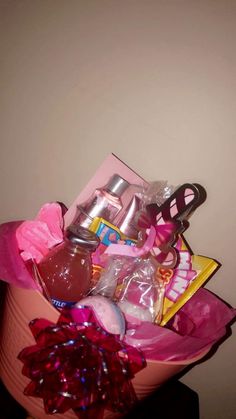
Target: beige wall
{"points": [[154, 82]]}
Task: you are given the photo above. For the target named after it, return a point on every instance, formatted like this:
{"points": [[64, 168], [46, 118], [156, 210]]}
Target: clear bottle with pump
{"points": [[65, 272], [105, 202]]}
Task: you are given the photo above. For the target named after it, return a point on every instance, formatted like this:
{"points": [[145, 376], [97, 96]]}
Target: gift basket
{"points": [[105, 300]]}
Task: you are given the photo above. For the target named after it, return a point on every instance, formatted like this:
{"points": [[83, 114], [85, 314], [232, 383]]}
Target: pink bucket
{"points": [[21, 306]]}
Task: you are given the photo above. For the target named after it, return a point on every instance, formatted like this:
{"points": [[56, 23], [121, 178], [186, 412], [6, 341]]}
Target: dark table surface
{"points": [[173, 400]]}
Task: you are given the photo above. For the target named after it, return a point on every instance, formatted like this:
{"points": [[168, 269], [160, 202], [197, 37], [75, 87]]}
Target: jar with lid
{"points": [[66, 271]]}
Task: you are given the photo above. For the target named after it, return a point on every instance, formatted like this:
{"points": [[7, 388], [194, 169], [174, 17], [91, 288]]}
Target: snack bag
{"points": [[140, 292], [181, 283]]}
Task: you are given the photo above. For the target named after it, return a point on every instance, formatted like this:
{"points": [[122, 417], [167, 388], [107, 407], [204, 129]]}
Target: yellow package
{"points": [[184, 280]]}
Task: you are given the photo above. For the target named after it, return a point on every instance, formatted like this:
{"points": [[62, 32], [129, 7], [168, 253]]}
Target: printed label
{"points": [[59, 304], [183, 275], [109, 234]]}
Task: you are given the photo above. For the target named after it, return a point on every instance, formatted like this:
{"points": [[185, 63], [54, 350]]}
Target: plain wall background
{"points": [[151, 81]]}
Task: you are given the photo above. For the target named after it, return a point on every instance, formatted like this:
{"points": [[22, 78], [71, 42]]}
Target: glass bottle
{"points": [[66, 271], [105, 202]]}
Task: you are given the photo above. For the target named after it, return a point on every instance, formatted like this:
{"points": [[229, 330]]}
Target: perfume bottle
{"points": [[105, 202], [126, 223]]}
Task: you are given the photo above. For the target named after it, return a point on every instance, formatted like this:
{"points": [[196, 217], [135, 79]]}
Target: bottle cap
{"points": [[117, 185], [82, 237]]}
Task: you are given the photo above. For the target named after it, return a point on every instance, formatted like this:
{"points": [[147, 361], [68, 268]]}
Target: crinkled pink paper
{"points": [[36, 237], [12, 267], [201, 323]]}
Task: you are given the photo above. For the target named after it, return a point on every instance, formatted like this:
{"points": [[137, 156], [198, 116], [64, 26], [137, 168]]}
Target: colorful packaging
{"points": [[108, 233], [184, 280], [193, 195]]}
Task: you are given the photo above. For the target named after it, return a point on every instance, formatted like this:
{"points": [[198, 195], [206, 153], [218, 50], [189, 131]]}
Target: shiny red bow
{"points": [[79, 365]]}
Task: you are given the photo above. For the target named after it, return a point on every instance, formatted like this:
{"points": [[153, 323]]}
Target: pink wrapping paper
{"points": [[201, 323], [12, 267], [26, 241], [36, 237]]}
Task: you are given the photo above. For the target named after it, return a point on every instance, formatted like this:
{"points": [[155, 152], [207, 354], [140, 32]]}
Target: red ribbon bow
{"points": [[79, 365]]}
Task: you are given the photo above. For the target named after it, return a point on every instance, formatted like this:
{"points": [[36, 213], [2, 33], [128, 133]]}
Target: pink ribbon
{"points": [[158, 243]]}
